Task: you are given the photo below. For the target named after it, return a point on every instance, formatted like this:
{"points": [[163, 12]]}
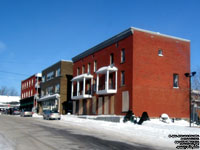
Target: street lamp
{"points": [[190, 75]]}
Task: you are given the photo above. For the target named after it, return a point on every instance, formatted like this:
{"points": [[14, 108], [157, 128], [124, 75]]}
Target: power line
{"points": [[13, 73]]}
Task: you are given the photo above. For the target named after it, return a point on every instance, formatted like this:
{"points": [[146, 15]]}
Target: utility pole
{"points": [[190, 75]]}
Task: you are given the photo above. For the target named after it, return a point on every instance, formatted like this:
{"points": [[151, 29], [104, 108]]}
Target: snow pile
{"points": [[154, 132], [35, 115]]}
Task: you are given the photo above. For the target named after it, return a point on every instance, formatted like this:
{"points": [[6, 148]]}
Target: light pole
{"points": [[190, 75]]}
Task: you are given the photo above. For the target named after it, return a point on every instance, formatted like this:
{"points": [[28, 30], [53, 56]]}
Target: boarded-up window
{"points": [[106, 105], [100, 101], [125, 101], [74, 107], [94, 101]]}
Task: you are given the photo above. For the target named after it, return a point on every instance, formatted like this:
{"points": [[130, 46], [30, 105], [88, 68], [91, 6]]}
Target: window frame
{"points": [[123, 58], [175, 83], [122, 78]]}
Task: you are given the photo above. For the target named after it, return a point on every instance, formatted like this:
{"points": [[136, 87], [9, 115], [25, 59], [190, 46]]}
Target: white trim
{"points": [[80, 77], [47, 97], [104, 92], [104, 69], [159, 34], [81, 97]]}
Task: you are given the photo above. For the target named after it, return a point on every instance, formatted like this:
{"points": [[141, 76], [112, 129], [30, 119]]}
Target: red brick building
{"points": [[30, 90], [135, 70]]}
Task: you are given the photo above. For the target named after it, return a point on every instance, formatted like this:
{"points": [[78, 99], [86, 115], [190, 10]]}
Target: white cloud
{"points": [[2, 46]]}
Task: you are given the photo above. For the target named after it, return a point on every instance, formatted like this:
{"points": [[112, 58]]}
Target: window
{"points": [[50, 75], [94, 85], [122, 78], [175, 81], [83, 69], [57, 88], [31, 92], [43, 78], [78, 71], [88, 68], [122, 55], [111, 59], [49, 90], [95, 66], [58, 72], [160, 52], [32, 82]]}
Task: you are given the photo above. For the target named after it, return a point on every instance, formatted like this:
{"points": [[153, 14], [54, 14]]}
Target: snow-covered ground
{"points": [[153, 132]]}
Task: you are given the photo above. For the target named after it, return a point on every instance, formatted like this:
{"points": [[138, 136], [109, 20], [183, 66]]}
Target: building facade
{"points": [[195, 96], [56, 87], [30, 92], [136, 70]]}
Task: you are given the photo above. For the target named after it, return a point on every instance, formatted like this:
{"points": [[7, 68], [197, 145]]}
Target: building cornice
{"points": [[117, 38]]}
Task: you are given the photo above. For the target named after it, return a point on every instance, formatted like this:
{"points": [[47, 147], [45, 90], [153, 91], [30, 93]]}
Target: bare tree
{"points": [[3, 90], [13, 92], [196, 80], [8, 91]]}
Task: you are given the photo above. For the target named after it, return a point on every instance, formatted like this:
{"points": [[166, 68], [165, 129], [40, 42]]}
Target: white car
{"points": [[26, 113], [50, 114]]}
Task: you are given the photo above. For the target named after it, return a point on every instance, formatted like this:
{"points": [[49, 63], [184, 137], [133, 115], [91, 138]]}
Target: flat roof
{"points": [[117, 38]]}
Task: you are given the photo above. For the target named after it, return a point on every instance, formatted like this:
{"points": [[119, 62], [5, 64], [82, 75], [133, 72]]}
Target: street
{"points": [[37, 134]]}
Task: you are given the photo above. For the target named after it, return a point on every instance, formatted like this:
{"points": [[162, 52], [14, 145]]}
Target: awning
{"points": [[104, 69], [80, 77], [49, 97]]}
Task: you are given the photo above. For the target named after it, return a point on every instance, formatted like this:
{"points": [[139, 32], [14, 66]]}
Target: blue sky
{"points": [[35, 34]]}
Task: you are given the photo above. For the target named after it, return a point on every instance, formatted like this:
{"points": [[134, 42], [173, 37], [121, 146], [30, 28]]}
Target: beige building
{"points": [[56, 87]]}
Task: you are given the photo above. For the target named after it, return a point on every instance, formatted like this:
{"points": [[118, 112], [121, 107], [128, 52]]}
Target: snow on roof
{"points": [[4, 98], [196, 91], [38, 74]]}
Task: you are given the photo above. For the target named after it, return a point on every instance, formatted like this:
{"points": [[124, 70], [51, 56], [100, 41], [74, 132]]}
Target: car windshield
{"points": [[54, 111]]}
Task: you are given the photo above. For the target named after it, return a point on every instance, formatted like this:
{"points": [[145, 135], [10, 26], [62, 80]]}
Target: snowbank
{"points": [[152, 132]]}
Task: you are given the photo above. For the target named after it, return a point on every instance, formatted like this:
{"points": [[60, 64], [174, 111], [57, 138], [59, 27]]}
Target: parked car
{"points": [[51, 114], [16, 112], [26, 113]]}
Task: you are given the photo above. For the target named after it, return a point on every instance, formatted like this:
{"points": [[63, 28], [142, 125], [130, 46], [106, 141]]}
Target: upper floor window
{"points": [[122, 78], [43, 78], [175, 80], [49, 90], [83, 69], [78, 71], [58, 72], [32, 82], [111, 59], [50, 75], [88, 68], [57, 88], [160, 52], [95, 66], [122, 55]]}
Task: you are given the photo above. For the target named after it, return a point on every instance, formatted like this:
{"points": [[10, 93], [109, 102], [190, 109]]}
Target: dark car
{"points": [[51, 114]]}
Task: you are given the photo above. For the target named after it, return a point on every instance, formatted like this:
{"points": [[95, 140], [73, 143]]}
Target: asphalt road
{"points": [[37, 134]]}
